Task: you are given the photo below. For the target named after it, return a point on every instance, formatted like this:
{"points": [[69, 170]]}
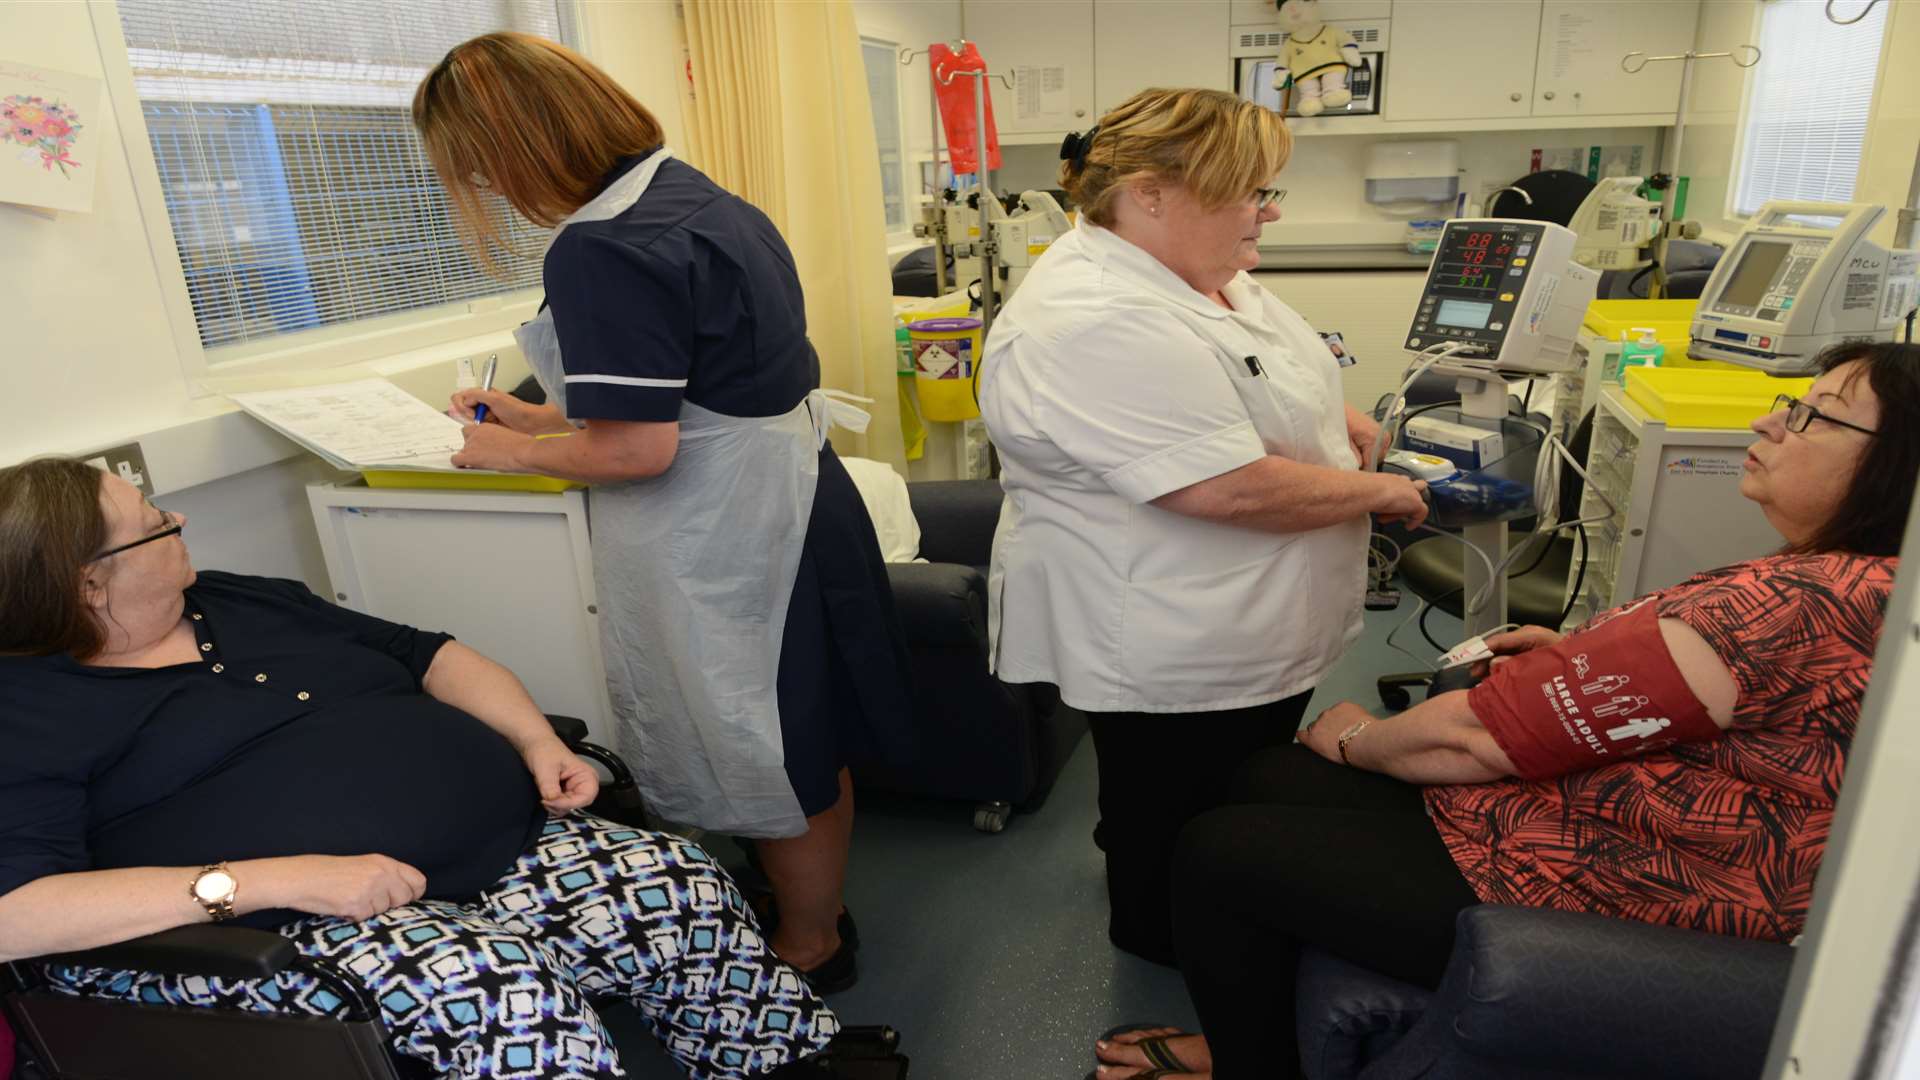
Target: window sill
{"points": [[210, 438]]}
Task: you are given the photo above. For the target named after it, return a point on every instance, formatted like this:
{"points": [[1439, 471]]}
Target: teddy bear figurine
{"points": [[1314, 59]]}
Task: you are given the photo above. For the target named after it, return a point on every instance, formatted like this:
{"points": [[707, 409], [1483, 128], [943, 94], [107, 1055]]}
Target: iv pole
{"points": [[937, 229], [988, 248], [1669, 175]]}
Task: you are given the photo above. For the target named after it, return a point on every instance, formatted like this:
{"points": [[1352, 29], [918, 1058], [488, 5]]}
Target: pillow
{"points": [[885, 494]]}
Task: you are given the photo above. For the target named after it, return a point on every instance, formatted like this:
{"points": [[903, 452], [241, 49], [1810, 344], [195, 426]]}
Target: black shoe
{"points": [[768, 912], [839, 973]]}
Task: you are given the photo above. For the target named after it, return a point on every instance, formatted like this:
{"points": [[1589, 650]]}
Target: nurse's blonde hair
{"points": [[528, 120], [1218, 146]]}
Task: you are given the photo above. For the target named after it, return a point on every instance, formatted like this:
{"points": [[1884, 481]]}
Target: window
{"points": [[297, 190], [1807, 104], [883, 88]]}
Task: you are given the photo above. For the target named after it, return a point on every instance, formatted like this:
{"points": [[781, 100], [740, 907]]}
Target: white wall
{"points": [[88, 351], [637, 42]]}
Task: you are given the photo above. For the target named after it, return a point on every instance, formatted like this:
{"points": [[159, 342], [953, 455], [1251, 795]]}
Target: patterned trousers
{"points": [[499, 988]]}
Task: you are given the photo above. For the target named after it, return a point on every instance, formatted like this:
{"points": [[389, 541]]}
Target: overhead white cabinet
{"points": [[1046, 48], [1462, 60], [1169, 43], [1578, 71]]}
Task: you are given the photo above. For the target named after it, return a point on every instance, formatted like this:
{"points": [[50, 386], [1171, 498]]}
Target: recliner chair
{"points": [[1533, 994], [997, 745]]}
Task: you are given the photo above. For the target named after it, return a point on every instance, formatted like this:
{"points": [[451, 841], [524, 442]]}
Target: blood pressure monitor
{"points": [[1508, 291]]}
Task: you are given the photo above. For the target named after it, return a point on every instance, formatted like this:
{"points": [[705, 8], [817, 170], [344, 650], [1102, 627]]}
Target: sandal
{"points": [[1161, 1060]]}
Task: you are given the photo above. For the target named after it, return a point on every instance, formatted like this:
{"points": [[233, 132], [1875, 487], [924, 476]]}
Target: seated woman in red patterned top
{"points": [[1674, 761]]}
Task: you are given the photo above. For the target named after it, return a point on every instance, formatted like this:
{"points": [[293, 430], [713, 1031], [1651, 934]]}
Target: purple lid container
{"points": [[943, 326]]}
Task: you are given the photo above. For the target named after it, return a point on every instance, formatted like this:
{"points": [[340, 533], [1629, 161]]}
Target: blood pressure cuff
{"points": [[1598, 696]]}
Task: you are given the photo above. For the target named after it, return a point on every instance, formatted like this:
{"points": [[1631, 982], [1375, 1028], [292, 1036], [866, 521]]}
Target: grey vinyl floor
{"points": [[989, 953]]}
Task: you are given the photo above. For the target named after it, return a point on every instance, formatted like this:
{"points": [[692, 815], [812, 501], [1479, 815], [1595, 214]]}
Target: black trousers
{"points": [[1157, 772], [1309, 853]]}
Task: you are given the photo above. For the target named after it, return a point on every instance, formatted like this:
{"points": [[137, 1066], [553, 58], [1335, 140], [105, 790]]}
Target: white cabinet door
{"points": [[1046, 47], [1582, 43], [1164, 43], [1462, 59], [1254, 12]]}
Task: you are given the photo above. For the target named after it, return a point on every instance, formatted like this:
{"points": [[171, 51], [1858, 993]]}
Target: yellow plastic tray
{"points": [[1611, 318], [1671, 321], [465, 481], [1708, 399]]}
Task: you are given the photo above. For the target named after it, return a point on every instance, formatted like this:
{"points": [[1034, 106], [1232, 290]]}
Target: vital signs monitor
{"points": [[1508, 292]]}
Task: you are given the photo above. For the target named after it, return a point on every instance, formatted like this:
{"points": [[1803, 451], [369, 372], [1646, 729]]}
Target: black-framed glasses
{"points": [[1800, 414], [172, 528], [1266, 196]]}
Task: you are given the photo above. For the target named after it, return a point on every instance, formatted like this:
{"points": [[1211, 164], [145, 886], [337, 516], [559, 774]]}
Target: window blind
{"points": [[298, 192], [1808, 105], [883, 90]]}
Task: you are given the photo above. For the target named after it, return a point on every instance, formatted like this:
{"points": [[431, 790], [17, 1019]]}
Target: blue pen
{"points": [[486, 383]]}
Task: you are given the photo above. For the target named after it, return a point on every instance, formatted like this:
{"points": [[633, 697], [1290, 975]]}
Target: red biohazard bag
{"points": [[1599, 696], [956, 107]]}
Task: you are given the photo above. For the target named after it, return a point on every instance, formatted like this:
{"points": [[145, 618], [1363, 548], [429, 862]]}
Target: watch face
{"points": [[213, 886]]}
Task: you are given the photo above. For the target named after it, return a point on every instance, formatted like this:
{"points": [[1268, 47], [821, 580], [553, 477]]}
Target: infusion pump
{"points": [[1507, 292], [1801, 277]]}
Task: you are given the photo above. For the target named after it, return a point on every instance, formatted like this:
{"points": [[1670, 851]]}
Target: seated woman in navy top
{"points": [[178, 747]]}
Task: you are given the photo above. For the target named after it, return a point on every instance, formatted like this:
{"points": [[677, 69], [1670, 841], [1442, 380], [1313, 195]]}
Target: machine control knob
{"points": [[1513, 97], [1548, 95], [1079, 112]]}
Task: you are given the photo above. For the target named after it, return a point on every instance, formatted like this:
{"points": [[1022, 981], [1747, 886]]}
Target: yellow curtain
{"points": [[778, 114]]}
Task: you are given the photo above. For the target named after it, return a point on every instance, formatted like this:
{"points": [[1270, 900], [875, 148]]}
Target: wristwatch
{"points": [[213, 888]]}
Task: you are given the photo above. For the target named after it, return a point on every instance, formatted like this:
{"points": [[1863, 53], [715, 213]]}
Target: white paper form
{"points": [[362, 424]]}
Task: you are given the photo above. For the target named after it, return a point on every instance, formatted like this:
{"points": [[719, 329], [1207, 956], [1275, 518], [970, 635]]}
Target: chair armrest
{"points": [[956, 519], [227, 952], [940, 603], [570, 729], [1614, 996]]}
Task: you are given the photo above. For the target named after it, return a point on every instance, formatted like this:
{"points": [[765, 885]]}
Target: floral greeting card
{"points": [[50, 137]]}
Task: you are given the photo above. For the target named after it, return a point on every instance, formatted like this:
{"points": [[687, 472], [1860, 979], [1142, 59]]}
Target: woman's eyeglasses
{"points": [[1266, 196], [172, 527], [1800, 414]]}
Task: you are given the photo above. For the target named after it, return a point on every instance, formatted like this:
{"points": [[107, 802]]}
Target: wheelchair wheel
{"points": [[992, 817], [1394, 697]]}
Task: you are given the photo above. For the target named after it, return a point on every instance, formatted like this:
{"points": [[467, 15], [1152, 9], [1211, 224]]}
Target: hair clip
{"points": [[1075, 146], [479, 181]]}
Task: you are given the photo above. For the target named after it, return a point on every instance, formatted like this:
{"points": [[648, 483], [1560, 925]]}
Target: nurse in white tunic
{"points": [[1182, 549]]}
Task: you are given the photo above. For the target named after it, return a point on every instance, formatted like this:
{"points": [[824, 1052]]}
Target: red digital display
{"points": [[1474, 264]]}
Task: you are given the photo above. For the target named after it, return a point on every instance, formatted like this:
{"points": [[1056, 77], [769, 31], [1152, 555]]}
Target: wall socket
{"points": [[126, 462]]}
